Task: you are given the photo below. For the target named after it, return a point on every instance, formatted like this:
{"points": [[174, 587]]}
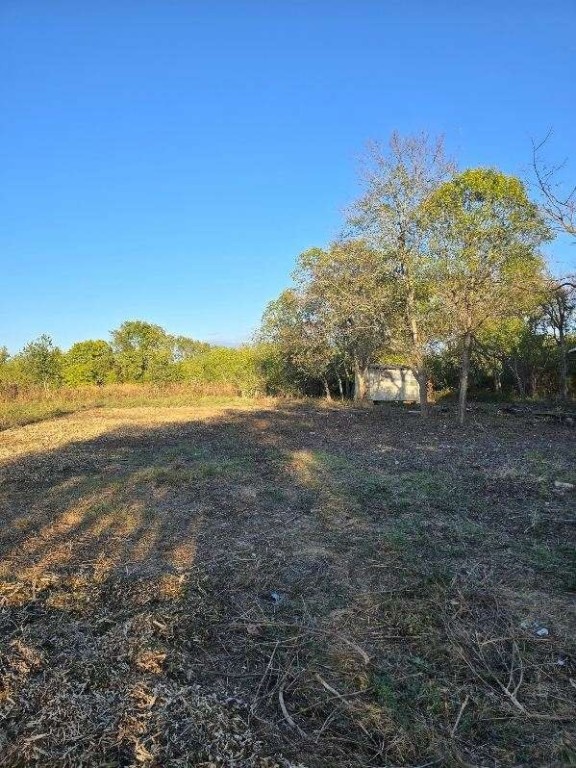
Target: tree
{"points": [[485, 235], [558, 204], [336, 319], [236, 367], [518, 346], [559, 315], [390, 215], [89, 362], [143, 351], [7, 371], [40, 362], [184, 348], [348, 306], [291, 327]]}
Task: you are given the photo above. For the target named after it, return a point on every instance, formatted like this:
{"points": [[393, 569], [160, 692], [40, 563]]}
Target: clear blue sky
{"points": [[167, 160]]}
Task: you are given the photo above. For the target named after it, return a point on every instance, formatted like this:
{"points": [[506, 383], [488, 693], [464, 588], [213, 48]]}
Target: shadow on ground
{"points": [[298, 584]]}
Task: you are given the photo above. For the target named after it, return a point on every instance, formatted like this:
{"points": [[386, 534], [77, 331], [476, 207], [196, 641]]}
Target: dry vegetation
{"points": [[276, 584], [20, 405]]}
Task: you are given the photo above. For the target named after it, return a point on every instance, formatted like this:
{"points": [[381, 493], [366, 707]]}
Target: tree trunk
{"points": [[340, 387], [419, 372], [422, 378], [563, 367], [533, 383], [497, 381], [360, 389], [327, 389], [519, 383], [464, 373]]}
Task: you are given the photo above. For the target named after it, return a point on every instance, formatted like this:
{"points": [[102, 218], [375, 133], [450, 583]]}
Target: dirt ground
{"points": [[287, 584]]}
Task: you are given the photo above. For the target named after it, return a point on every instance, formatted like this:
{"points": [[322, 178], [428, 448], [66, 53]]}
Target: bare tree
{"points": [[558, 203], [398, 180]]}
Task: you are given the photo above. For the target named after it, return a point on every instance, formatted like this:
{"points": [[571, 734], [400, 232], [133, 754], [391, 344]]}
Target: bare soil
{"points": [[287, 584]]}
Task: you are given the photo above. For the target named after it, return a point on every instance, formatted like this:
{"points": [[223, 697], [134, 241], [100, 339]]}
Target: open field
{"points": [[29, 405], [270, 584]]}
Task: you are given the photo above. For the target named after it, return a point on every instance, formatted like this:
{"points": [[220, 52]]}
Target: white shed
{"points": [[392, 382]]}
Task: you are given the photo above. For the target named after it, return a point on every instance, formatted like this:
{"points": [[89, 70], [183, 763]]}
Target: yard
{"points": [[274, 584]]}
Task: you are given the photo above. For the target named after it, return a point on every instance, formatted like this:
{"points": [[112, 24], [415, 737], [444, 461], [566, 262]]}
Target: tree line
{"points": [[438, 269], [138, 352]]}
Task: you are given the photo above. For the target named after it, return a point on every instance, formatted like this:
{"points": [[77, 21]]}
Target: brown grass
{"points": [[21, 404], [275, 584]]}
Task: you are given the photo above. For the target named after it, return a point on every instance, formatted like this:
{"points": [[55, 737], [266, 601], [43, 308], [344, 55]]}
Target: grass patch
{"points": [[399, 491], [558, 561], [201, 470]]}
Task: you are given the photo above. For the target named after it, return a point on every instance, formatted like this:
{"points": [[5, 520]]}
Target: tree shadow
{"points": [[137, 559], [166, 587]]}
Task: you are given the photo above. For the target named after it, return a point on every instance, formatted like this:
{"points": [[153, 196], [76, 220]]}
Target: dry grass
{"points": [[20, 405], [286, 584]]}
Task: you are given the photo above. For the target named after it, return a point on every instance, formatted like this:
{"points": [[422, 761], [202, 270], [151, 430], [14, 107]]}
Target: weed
{"points": [[384, 691]]}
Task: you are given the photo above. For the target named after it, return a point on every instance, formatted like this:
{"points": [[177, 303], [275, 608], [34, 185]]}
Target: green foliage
{"points": [[348, 295], [89, 362], [240, 368], [143, 352], [184, 348], [140, 353], [485, 238], [335, 321], [279, 375], [40, 362], [485, 266], [10, 372], [303, 350]]}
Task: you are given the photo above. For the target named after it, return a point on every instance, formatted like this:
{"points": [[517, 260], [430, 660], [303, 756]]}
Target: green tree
{"points": [[485, 235], [290, 325], [336, 320], [143, 352], [89, 362], [183, 348], [517, 347], [235, 367], [40, 362], [348, 307], [8, 375]]}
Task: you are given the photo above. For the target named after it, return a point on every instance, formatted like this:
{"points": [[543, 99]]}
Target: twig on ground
{"points": [[342, 699], [459, 717], [289, 719], [264, 676]]}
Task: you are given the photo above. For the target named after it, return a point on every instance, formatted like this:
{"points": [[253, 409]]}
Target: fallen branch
{"points": [[460, 713], [342, 699], [289, 719], [310, 631]]}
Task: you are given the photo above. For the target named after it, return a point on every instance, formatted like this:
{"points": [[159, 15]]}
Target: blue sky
{"points": [[167, 160]]}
